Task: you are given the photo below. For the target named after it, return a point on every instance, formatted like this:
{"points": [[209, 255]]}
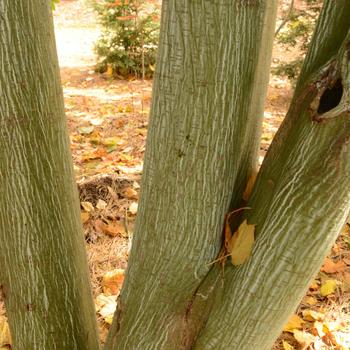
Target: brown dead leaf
{"points": [[250, 185], [130, 193], [331, 267], [241, 244], [110, 229], [112, 281], [96, 154]]}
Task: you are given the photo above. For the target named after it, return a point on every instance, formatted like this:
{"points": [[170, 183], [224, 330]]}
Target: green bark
{"points": [[208, 97], [43, 275], [299, 203]]}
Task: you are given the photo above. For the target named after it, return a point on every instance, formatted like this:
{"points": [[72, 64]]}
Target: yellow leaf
{"points": [[294, 322], [311, 315], [303, 338], [328, 287], [5, 337], [87, 206], [287, 346], [241, 244], [109, 71], [311, 301], [250, 185], [85, 216]]}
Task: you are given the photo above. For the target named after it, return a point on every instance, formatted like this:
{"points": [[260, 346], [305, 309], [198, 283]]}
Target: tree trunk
{"points": [[211, 74], [208, 98], [43, 275], [300, 201]]}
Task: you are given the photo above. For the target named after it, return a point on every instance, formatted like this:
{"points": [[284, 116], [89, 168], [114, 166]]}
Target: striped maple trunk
{"points": [[43, 267]]}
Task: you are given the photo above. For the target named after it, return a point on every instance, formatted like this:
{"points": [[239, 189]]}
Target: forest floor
{"points": [[107, 121]]}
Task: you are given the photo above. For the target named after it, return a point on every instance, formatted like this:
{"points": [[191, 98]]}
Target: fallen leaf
{"points": [[311, 301], [111, 229], [287, 346], [312, 315], [96, 121], [101, 204], [328, 287], [112, 142], [85, 216], [294, 322], [87, 206], [250, 185], [5, 337], [332, 326], [105, 306], [319, 328], [85, 130], [99, 153], [112, 281], [136, 185], [331, 267], [303, 338], [133, 208], [130, 193]]}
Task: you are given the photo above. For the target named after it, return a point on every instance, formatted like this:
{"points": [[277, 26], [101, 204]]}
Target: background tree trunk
{"points": [[204, 132], [300, 201], [43, 275]]}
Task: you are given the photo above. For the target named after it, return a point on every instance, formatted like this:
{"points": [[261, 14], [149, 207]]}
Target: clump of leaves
{"points": [[129, 40], [297, 34]]}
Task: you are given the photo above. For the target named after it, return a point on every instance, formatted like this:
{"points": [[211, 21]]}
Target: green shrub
{"points": [[129, 40], [53, 3], [297, 33]]}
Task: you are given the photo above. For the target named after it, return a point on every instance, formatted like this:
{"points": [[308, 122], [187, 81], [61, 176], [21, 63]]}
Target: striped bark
{"points": [[300, 201], [203, 137], [43, 274]]}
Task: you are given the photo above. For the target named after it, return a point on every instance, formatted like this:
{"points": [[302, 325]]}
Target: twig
{"points": [[286, 18]]}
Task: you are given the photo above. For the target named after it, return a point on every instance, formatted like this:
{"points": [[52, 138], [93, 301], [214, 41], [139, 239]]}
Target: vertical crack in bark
{"points": [[198, 308]]}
